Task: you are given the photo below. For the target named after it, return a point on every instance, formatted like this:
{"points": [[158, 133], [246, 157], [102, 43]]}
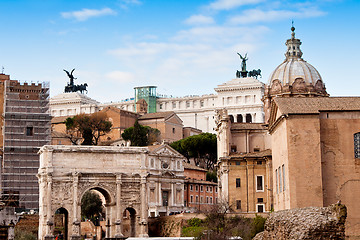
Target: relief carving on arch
{"points": [[275, 87], [62, 192], [299, 86]]}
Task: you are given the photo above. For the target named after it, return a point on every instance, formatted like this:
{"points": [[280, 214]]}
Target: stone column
{"points": [[49, 221], [118, 207], [76, 222], [143, 208]]}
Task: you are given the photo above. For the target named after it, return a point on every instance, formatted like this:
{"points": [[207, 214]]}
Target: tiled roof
{"points": [[263, 153], [311, 105], [59, 119], [193, 167], [190, 180], [246, 126], [156, 115]]}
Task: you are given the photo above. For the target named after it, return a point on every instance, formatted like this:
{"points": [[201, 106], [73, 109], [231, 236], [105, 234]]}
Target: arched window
{"points": [[239, 118], [231, 118], [248, 118], [357, 145]]}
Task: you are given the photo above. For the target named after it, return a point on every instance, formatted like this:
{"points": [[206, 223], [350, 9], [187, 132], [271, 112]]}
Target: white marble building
{"points": [[240, 96]]}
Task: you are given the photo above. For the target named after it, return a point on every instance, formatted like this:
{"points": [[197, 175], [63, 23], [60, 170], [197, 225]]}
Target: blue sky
{"points": [[184, 47]]}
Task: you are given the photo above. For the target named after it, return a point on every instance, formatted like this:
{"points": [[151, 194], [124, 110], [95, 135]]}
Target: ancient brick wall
{"points": [[313, 223]]}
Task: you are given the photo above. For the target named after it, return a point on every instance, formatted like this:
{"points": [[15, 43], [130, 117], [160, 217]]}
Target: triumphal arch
{"points": [[145, 181]]}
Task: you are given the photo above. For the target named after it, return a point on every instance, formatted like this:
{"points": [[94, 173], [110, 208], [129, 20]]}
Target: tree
{"points": [[91, 206], [140, 135], [87, 127], [202, 148]]}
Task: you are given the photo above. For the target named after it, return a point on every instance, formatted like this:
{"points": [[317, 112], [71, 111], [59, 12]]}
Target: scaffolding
{"points": [[26, 128]]}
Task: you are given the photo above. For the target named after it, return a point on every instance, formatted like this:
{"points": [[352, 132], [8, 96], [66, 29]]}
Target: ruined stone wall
{"points": [[313, 223]]}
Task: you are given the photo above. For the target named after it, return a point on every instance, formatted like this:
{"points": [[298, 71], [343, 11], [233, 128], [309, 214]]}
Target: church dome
{"points": [[295, 76]]}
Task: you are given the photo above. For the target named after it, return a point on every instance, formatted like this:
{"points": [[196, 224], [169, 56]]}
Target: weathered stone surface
{"points": [[306, 223]]}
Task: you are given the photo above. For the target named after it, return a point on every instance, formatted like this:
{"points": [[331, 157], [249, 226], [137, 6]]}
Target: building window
{"points": [[238, 204], [211, 200], [260, 200], [248, 118], [207, 189], [231, 118], [216, 200], [283, 175], [201, 188], [173, 130], [191, 187], [216, 189], [259, 183], [184, 187], [196, 188], [202, 104], [174, 105], [191, 199], [239, 118], [161, 106], [233, 148], [207, 199], [259, 162], [238, 183], [196, 198], [211, 189], [357, 144], [187, 104], [165, 198], [280, 180], [237, 163], [201, 199], [260, 207], [277, 181], [29, 131]]}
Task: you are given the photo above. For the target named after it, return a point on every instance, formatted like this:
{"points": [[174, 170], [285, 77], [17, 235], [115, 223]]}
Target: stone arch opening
{"points": [[129, 222], [248, 118], [101, 213], [61, 223]]}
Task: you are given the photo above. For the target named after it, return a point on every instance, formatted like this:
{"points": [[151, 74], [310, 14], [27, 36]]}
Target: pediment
{"points": [[166, 150]]}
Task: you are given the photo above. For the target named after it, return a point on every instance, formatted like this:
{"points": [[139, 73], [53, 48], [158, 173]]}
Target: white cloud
{"points": [[257, 15], [199, 19], [85, 13], [125, 3], [230, 4], [120, 77]]}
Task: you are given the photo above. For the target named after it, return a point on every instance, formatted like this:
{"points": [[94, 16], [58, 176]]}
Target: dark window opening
{"points": [[29, 131], [238, 184], [233, 148], [248, 118], [260, 208], [259, 162], [260, 200], [239, 118], [238, 204], [231, 118], [237, 163]]}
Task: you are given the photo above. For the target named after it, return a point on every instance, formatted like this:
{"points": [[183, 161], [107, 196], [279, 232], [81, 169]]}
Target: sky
{"points": [[184, 47]]}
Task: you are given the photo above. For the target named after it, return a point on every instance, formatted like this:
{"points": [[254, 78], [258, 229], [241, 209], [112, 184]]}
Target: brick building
{"points": [[25, 128], [199, 194]]}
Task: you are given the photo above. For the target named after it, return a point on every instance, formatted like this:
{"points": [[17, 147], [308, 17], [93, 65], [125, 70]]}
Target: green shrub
{"points": [[257, 225], [24, 235], [192, 231], [194, 222]]}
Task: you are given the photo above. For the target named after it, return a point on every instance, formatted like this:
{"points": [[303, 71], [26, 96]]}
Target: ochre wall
{"points": [[304, 166], [340, 169]]}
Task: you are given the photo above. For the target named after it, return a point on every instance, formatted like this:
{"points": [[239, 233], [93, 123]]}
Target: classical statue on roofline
{"points": [[244, 73], [71, 87]]}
